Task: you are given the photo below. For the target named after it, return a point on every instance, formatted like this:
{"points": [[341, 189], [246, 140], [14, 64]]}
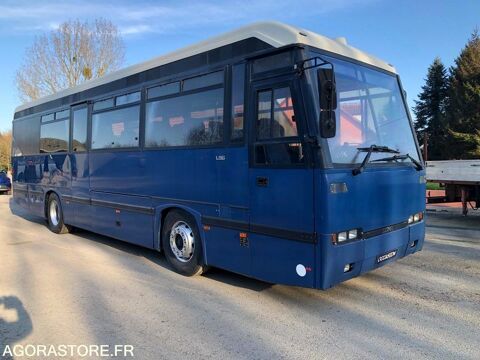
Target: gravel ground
{"points": [[87, 289]]}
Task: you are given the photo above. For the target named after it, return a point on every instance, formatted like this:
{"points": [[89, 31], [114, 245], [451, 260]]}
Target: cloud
{"points": [[136, 29], [146, 16]]}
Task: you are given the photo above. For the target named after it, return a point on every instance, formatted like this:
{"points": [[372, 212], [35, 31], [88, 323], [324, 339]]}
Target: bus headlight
{"points": [[345, 236], [342, 236], [352, 234], [415, 218]]}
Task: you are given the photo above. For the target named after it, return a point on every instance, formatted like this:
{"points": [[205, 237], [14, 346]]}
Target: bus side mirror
{"points": [[328, 102], [328, 124]]}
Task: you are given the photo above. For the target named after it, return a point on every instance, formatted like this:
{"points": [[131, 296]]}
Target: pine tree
{"points": [[464, 102], [430, 110]]}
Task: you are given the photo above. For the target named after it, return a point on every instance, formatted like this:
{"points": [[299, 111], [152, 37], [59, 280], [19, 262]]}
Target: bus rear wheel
{"points": [[55, 215], [181, 243]]}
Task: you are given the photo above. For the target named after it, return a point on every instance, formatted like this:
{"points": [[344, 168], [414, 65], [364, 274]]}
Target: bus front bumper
{"points": [[346, 261]]}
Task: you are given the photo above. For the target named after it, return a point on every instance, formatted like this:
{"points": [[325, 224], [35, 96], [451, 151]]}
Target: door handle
{"points": [[262, 181]]}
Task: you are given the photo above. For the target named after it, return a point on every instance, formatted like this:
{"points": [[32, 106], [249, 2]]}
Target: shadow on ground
{"points": [[15, 324]]}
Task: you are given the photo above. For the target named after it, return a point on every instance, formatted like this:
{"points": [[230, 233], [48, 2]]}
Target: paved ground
{"points": [[88, 289]]}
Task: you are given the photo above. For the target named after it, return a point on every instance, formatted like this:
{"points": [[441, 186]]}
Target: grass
{"points": [[434, 186]]}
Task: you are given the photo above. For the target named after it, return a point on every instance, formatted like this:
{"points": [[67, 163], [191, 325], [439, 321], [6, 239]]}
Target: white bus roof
{"points": [[274, 33]]}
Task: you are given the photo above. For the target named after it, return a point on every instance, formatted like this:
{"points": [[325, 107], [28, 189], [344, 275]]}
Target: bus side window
{"points": [[276, 121], [54, 136], [238, 94], [79, 133]]}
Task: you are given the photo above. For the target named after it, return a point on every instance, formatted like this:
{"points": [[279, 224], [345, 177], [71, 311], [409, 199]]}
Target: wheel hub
{"points": [[54, 213], [182, 241]]}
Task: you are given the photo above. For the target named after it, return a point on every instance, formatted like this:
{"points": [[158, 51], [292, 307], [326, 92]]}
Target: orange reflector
{"points": [[334, 239], [243, 235], [206, 227]]}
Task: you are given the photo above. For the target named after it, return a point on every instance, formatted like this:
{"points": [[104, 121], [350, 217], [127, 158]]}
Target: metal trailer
{"points": [[461, 179]]}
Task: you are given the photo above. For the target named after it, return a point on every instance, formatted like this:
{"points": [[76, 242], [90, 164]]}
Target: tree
{"points": [[464, 102], [73, 53], [5, 149], [430, 110]]}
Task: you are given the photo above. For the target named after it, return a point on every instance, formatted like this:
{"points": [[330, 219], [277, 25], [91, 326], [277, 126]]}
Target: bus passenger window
{"points": [[188, 120], [116, 128], [54, 136]]}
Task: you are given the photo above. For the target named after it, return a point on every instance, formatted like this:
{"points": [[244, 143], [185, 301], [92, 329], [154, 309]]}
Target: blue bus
{"points": [[269, 151]]}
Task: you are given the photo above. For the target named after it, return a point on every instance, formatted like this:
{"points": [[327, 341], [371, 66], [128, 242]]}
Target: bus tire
{"points": [[182, 244], [55, 215]]}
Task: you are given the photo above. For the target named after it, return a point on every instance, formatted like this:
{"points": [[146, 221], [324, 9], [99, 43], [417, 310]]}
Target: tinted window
{"points": [[49, 117], [163, 90], [54, 137], [26, 136], [238, 93], [203, 81], [62, 114], [278, 121], [116, 128], [128, 98], [79, 136], [103, 104], [195, 119], [273, 62]]}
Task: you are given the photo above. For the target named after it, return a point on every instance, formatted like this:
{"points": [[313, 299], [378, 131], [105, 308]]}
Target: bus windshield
{"points": [[370, 111]]}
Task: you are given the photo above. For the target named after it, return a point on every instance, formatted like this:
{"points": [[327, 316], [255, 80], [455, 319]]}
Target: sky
{"points": [[406, 33]]}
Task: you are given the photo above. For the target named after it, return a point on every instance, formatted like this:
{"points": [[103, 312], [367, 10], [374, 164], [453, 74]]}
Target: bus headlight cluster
{"points": [[345, 236], [415, 218]]}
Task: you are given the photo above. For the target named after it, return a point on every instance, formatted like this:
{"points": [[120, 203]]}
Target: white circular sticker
{"points": [[301, 271]]}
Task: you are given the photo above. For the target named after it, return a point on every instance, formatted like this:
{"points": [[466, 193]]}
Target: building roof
{"points": [[274, 33]]}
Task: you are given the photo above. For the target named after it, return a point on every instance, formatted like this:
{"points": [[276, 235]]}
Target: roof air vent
{"points": [[341, 40]]}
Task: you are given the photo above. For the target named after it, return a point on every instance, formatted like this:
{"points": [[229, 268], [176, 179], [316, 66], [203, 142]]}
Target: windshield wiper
{"points": [[371, 149], [417, 164]]}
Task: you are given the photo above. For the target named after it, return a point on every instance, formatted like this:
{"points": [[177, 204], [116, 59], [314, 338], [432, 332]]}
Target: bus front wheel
{"points": [[181, 243], [55, 215]]}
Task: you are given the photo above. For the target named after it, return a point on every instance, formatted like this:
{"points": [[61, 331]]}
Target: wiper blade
{"points": [[376, 148], [371, 149], [418, 165]]}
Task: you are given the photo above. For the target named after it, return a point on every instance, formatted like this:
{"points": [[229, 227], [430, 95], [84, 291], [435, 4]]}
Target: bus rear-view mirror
{"points": [[328, 102]]}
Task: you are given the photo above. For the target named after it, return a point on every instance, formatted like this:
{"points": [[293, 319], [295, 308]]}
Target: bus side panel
{"points": [[20, 189], [113, 175], [79, 205], [283, 261], [212, 182], [124, 217], [182, 175], [224, 246], [36, 192]]}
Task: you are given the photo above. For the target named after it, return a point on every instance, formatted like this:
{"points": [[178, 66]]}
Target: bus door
{"points": [[282, 235], [80, 188]]}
